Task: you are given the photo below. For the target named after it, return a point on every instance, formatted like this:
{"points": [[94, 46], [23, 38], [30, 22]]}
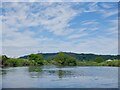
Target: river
{"points": [[59, 77]]}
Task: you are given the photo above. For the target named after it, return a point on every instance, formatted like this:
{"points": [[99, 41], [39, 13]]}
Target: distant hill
{"points": [[82, 56]]}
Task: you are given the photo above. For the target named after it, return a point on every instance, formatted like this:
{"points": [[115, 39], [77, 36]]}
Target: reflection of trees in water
{"points": [[63, 73], [3, 72], [35, 71], [60, 73]]}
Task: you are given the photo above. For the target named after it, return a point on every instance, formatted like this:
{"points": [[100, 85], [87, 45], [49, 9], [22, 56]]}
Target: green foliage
{"points": [[46, 62], [105, 63], [64, 60], [111, 63], [36, 59], [14, 62], [81, 57], [61, 59], [87, 63], [4, 57], [99, 60], [4, 60], [33, 60]]}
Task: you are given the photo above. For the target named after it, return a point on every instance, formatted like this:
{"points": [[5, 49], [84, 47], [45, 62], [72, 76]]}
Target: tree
{"points": [[99, 60], [36, 58], [4, 60], [65, 60]]}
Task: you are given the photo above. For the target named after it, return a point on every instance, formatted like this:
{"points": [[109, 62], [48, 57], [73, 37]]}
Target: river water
{"points": [[59, 77]]}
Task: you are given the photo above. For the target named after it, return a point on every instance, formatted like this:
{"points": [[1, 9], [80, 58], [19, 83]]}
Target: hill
{"points": [[82, 56]]}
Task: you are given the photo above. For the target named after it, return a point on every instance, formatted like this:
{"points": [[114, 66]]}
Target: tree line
{"points": [[61, 59]]}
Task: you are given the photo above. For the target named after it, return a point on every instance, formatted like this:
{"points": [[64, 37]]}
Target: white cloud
{"points": [[61, 14], [113, 29], [54, 18], [77, 36], [92, 22], [106, 5], [109, 13], [92, 45], [104, 45], [18, 18], [92, 7]]}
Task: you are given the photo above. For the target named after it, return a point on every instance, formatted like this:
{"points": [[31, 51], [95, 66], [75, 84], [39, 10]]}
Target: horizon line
{"points": [[60, 51]]}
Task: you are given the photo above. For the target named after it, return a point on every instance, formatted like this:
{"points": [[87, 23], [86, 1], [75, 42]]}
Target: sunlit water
{"points": [[54, 77]]}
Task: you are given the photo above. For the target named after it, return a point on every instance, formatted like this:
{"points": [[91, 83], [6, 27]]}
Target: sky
{"points": [[46, 27]]}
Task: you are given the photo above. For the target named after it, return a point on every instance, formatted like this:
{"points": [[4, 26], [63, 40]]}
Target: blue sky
{"points": [[81, 27]]}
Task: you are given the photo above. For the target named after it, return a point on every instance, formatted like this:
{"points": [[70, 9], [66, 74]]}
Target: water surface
{"points": [[55, 77]]}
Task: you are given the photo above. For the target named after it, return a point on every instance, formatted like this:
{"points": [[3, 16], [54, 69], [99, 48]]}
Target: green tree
{"points": [[99, 60], [36, 59], [4, 60], [65, 60], [13, 62]]}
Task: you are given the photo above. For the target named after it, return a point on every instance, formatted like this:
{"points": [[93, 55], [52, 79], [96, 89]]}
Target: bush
{"points": [[87, 63], [111, 63], [64, 60], [4, 60], [36, 59], [14, 62], [99, 60]]}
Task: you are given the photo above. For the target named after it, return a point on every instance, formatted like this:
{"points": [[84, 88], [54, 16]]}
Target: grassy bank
{"points": [[115, 63]]}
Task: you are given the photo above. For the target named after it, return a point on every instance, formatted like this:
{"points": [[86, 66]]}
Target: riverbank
{"points": [[59, 60]]}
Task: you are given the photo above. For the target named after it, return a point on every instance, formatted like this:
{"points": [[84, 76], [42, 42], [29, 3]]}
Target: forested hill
{"points": [[82, 56]]}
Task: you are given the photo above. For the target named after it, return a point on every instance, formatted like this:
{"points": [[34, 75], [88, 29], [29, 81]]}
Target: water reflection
{"points": [[37, 72], [62, 73], [3, 72], [55, 77]]}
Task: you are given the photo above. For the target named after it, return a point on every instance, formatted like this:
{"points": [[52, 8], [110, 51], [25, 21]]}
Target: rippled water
{"points": [[54, 77]]}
